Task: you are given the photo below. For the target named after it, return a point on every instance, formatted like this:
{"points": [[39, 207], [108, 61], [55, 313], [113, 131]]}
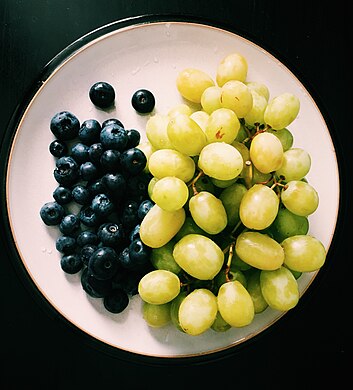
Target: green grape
{"points": [[189, 227], [211, 99], [296, 164], [156, 316], [287, 224], [259, 177], [208, 212], [232, 67], [285, 136], [160, 226], [237, 97], [300, 198], [201, 118], [147, 148], [259, 250], [282, 110], [256, 114], [162, 258], [219, 324], [221, 278], [266, 152], [168, 162], [303, 253], [198, 311], [170, 193], [174, 309], [199, 256], [179, 109], [156, 131], [186, 135], [158, 287], [150, 187], [231, 198], [260, 88], [235, 304], [242, 134], [222, 126], [279, 288], [238, 264], [245, 153], [254, 289], [191, 84], [223, 183], [220, 161], [258, 207]]}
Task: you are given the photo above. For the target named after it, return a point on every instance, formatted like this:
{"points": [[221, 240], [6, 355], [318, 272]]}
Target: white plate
{"points": [[145, 56]]}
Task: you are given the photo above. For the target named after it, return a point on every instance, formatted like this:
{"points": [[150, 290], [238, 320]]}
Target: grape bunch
{"points": [[229, 225]]}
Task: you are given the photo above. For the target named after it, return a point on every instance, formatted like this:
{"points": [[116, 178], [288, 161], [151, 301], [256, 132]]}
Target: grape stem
{"points": [[229, 261], [194, 181], [248, 174]]}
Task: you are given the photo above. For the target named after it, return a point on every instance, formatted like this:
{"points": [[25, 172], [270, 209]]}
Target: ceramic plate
{"points": [[146, 55]]}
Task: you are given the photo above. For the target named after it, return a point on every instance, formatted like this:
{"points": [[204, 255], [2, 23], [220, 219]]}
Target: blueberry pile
{"points": [[98, 205]]}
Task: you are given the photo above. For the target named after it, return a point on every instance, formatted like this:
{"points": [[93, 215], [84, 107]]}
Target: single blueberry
{"points": [[102, 205], [95, 152], [115, 183], [62, 195], [52, 213], [71, 263], [66, 171], [139, 252], [58, 148], [116, 301], [134, 138], [88, 171], [86, 252], [133, 161], [114, 137], [124, 259], [103, 263], [143, 101], [70, 224], [65, 244], [111, 234], [135, 233], [65, 126], [144, 207], [96, 187], [110, 160], [88, 217], [112, 121], [102, 94], [94, 287], [137, 186], [87, 237], [81, 194], [79, 152], [129, 216], [89, 131]]}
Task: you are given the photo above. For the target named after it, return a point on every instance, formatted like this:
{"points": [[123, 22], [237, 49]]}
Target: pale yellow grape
{"points": [[162, 258], [219, 324], [158, 287], [303, 253], [191, 84], [237, 97], [169, 162], [174, 309], [285, 136], [223, 183], [260, 88], [150, 186], [259, 250], [179, 109], [199, 256], [231, 198], [156, 316], [232, 67], [170, 193], [256, 114], [159, 226], [211, 99], [242, 134], [208, 212], [296, 164], [147, 148], [254, 289], [186, 135], [258, 207], [220, 161], [189, 227], [156, 131], [300, 198], [279, 288], [235, 304], [282, 110], [201, 118], [198, 311], [245, 153], [266, 152], [222, 126]]}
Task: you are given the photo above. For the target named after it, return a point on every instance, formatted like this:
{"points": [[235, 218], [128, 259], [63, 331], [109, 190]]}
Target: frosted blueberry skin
{"points": [[65, 126], [114, 137], [102, 205], [58, 148], [52, 213], [62, 195], [70, 224], [102, 94], [133, 161], [89, 132], [81, 194], [65, 244], [71, 263], [67, 171], [103, 263], [87, 237]]}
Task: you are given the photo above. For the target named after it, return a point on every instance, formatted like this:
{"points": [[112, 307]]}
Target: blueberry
{"points": [[102, 205], [66, 171], [89, 131], [139, 252], [130, 282], [103, 263], [95, 152], [65, 244], [110, 160], [111, 234], [134, 138], [112, 121], [62, 195], [135, 233], [143, 101], [144, 207], [69, 224], [88, 171], [116, 301], [94, 287], [79, 152], [114, 137], [87, 237], [52, 213], [124, 259], [96, 187], [65, 126], [58, 148], [133, 161], [137, 186], [71, 264], [115, 183], [129, 216], [81, 194], [102, 94], [86, 252], [88, 217]]}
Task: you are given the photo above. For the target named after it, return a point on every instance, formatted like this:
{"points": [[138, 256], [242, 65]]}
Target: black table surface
{"points": [[309, 345]]}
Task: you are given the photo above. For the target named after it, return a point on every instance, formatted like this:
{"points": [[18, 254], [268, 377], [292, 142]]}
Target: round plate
{"points": [[146, 55]]}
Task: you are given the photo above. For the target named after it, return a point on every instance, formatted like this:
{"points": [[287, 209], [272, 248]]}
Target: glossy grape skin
{"points": [[170, 193], [256, 114], [211, 99], [303, 253], [282, 110], [254, 289], [199, 256], [231, 198], [232, 67], [300, 198], [279, 288], [260, 88], [156, 131], [237, 97], [198, 311], [259, 250], [219, 324], [208, 212], [222, 126], [191, 84], [162, 258], [147, 148], [174, 309], [235, 304], [156, 316], [258, 207], [295, 165], [158, 287], [179, 109], [189, 227], [160, 226], [201, 118]]}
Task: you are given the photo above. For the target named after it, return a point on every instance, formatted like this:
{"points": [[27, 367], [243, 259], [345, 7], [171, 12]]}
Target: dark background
{"points": [[309, 345]]}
